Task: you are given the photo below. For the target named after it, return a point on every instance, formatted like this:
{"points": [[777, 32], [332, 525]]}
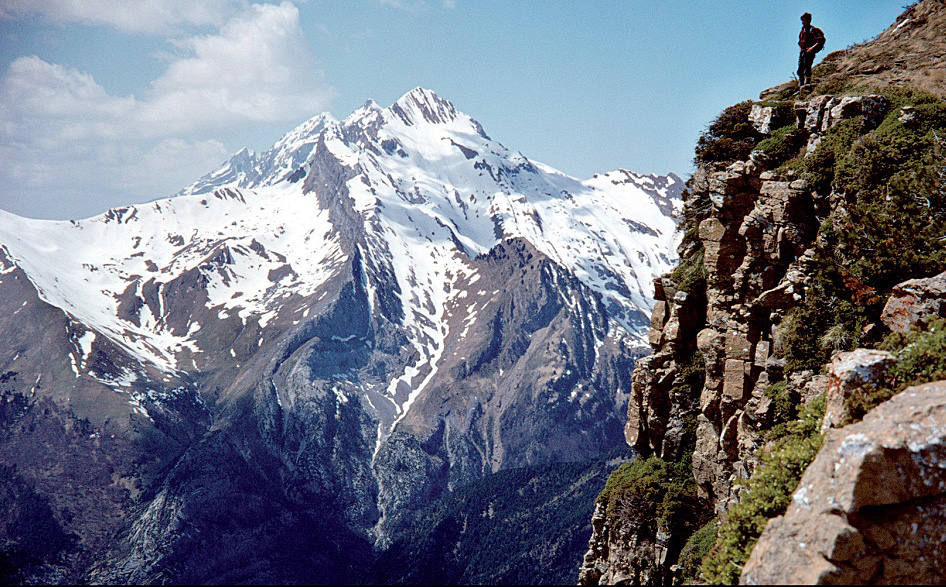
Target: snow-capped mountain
{"points": [[396, 301], [433, 179], [418, 188]]}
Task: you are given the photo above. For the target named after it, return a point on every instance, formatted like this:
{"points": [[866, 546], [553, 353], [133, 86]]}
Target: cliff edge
{"points": [[794, 312]]}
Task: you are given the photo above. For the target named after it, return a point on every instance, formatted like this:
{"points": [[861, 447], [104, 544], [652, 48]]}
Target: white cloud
{"points": [[61, 130], [152, 16], [48, 103], [256, 68]]}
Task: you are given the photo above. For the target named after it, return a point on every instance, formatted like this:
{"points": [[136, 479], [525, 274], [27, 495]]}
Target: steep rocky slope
{"points": [[911, 52], [803, 218]]}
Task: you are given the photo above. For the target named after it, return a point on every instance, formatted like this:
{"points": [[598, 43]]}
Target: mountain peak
{"points": [[423, 105], [367, 111]]}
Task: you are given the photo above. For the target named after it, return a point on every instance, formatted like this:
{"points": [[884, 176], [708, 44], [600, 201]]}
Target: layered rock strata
{"points": [[755, 244], [758, 240]]}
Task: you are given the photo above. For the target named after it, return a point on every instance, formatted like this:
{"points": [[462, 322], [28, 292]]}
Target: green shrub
{"points": [[830, 318], [784, 406], [654, 490], [695, 549], [897, 222], [730, 137], [818, 168], [768, 493], [924, 359], [921, 358], [689, 275], [893, 225], [783, 144]]}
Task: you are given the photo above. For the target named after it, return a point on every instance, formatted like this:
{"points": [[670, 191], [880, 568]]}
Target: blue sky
{"points": [[110, 102]]}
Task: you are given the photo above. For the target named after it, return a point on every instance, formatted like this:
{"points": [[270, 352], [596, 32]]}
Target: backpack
{"points": [[814, 34], [819, 38]]}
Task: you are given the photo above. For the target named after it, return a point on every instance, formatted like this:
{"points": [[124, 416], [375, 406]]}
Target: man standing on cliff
{"points": [[810, 41]]}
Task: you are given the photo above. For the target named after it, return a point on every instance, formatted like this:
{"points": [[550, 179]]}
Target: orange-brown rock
{"points": [[871, 508], [850, 373], [914, 302]]}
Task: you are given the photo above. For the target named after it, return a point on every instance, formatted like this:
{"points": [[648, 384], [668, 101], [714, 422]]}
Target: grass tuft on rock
{"points": [[690, 275], [921, 358], [782, 145]]}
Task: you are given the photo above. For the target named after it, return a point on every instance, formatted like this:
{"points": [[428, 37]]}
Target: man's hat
{"points": [[806, 16]]}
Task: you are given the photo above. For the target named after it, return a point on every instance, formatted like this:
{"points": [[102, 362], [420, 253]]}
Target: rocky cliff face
{"points": [[753, 238], [777, 273]]}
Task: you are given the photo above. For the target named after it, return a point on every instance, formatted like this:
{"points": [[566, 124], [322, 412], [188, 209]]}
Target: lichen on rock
{"points": [[870, 508]]}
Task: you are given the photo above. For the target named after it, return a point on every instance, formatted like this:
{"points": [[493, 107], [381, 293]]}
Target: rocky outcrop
{"points": [[623, 552], [870, 508], [821, 113], [660, 393], [748, 262], [766, 118], [914, 302], [850, 373], [757, 239]]}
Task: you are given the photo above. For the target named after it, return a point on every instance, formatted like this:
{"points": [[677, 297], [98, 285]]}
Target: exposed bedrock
{"points": [[870, 508]]}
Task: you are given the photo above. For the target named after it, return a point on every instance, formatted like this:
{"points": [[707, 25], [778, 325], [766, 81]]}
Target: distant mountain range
{"points": [[271, 375]]}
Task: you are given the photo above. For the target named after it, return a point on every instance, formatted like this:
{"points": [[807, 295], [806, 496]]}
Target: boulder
{"points": [[821, 113], [765, 119], [849, 373], [872, 505], [914, 302], [872, 108]]}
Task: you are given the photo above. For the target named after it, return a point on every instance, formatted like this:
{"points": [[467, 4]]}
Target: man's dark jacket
{"points": [[811, 36]]}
